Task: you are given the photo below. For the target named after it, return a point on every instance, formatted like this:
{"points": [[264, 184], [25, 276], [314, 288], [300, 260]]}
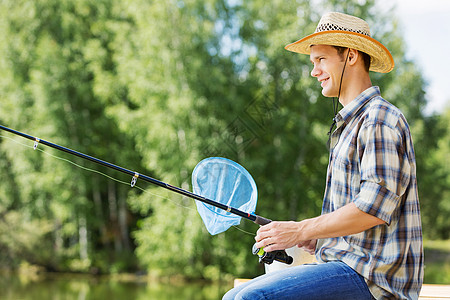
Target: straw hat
{"points": [[337, 29]]}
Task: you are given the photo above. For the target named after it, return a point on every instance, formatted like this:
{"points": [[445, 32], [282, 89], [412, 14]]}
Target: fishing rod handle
{"points": [[262, 221], [269, 257]]}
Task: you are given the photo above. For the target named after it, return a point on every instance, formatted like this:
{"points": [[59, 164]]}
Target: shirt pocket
{"points": [[346, 180]]}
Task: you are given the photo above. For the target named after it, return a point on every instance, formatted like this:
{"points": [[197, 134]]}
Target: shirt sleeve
{"points": [[385, 170]]}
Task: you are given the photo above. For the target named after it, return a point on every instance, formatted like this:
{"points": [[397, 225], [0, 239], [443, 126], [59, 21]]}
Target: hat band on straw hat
{"points": [[330, 27]]}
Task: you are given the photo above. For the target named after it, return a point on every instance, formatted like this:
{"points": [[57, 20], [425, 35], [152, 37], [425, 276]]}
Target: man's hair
{"points": [[365, 56]]}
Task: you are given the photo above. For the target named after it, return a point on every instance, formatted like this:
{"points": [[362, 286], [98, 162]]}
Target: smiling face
{"points": [[327, 68]]}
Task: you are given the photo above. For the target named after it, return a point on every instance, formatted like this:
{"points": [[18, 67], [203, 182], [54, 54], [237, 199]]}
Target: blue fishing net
{"points": [[224, 181]]}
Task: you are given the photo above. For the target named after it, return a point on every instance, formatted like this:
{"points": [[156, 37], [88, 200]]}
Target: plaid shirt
{"points": [[372, 164]]}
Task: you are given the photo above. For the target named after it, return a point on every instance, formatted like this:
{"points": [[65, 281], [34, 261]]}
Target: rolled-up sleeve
{"points": [[384, 170]]}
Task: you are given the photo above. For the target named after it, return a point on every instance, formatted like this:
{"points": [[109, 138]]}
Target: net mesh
{"points": [[224, 181]]}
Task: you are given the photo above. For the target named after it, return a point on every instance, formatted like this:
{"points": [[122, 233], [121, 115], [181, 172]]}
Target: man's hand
{"points": [[309, 246], [278, 236]]}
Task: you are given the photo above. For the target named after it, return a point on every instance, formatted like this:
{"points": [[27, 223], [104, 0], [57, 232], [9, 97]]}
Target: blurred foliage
{"points": [[21, 240], [437, 261], [156, 86]]}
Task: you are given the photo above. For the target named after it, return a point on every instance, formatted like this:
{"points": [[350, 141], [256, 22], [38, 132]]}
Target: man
{"points": [[368, 239]]}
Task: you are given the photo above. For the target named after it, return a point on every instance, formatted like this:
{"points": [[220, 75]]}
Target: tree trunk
{"points": [[112, 201]]}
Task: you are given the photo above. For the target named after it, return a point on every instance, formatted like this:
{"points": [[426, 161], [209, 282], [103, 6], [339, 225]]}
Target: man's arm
{"points": [[344, 221]]}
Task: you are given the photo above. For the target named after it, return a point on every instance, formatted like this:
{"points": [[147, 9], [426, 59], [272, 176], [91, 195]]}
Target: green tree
{"points": [[432, 150], [50, 50]]}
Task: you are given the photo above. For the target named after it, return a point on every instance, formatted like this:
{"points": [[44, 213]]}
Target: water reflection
{"points": [[65, 287]]}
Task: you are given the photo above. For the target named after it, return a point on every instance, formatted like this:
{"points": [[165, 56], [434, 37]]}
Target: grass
{"points": [[437, 261]]}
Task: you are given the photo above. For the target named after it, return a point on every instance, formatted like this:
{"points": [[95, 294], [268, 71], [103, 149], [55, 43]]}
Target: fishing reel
{"points": [[269, 257]]}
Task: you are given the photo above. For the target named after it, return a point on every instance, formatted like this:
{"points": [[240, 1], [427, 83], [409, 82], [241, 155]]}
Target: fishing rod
{"points": [[267, 257]]}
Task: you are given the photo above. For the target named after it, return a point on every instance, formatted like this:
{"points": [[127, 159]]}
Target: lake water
{"points": [[68, 287]]}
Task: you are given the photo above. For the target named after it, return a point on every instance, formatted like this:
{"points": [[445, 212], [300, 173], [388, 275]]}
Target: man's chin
{"points": [[328, 94]]}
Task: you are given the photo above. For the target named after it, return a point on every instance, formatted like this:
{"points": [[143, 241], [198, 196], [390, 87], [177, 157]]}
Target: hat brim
{"points": [[381, 59]]}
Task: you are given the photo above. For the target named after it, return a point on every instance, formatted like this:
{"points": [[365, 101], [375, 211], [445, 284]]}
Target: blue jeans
{"points": [[331, 280]]}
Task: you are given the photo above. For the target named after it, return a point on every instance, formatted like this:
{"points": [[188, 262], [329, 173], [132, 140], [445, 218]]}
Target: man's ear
{"points": [[352, 56]]}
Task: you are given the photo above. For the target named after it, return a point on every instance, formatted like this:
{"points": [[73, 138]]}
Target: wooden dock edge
{"points": [[435, 291]]}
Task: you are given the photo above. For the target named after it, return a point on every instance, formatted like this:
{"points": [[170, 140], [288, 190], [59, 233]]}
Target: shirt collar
{"points": [[350, 110]]}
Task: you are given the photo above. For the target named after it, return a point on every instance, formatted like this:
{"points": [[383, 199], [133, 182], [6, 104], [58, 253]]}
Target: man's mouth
{"points": [[324, 81]]}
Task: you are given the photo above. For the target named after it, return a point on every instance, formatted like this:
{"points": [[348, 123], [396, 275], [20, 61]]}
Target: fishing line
{"points": [[112, 178], [98, 172], [244, 231]]}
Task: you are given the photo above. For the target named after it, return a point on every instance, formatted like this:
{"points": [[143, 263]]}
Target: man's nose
{"points": [[315, 72]]}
